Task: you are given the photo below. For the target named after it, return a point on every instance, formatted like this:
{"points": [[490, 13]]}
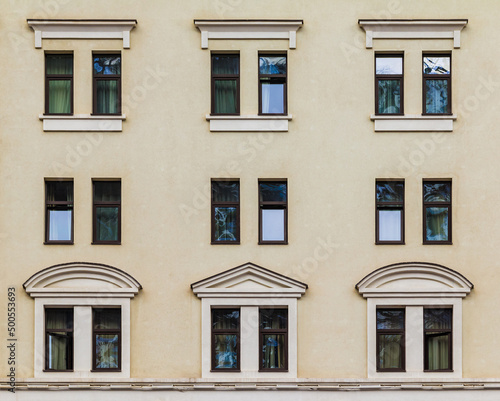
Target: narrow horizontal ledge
{"points": [[82, 122], [248, 123], [413, 123]]}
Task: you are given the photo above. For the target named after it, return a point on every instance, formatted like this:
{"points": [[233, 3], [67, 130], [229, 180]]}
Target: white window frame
{"points": [[414, 286]]}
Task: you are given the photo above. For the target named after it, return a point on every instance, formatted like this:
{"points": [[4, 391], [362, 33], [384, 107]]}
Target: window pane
{"points": [[273, 318], [273, 94], [58, 318], [437, 319], [225, 64], [388, 65], [107, 318], [272, 191], [225, 191], [225, 350], [225, 96], [225, 319], [225, 224], [273, 224], [273, 351], [437, 191], [272, 65], [390, 319], [390, 191], [59, 191], [389, 225], [436, 65], [436, 96], [60, 96], [390, 351], [107, 191], [107, 96], [60, 225], [436, 224], [60, 350], [107, 223], [59, 64], [389, 96], [438, 349], [107, 65], [107, 351]]}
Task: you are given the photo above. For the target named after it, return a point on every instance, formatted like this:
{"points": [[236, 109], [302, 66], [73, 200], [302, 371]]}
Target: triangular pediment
{"points": [[249, 280]]}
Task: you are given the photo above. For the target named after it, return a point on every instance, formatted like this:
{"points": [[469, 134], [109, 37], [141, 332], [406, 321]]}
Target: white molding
{"points": [[249, 29], [248, 123], [413, 29], [413, 123], [82, 29], [82, 122]]}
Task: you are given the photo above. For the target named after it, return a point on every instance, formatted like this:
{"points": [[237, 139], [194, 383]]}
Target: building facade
{"points": [[282, 199]]}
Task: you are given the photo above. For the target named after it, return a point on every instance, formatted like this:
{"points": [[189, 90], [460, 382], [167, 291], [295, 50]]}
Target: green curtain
{"points": [[225, 96], [59, 343], [59, 88], [438, 351], [389, 351], [107, 96], [389, 96]]}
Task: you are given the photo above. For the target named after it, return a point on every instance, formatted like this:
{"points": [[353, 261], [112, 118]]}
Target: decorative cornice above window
{"points": [[413, 29], [82, 29], [249, 29]]}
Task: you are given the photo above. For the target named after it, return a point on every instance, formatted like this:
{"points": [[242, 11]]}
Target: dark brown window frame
{"points": [[107, 77], [96, 204], [431, 77], [107, 331], [224, 204], [401, 332], [48, 331], [437, 204], [390, 77], [221, 77], [60, 203], [58, 77], [440, 331], [214, 332], [263, 332], [263, 205], [395, 205], [273, 77]]}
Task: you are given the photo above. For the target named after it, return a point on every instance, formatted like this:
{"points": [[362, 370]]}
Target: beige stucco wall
{"points": [[331, 156]]}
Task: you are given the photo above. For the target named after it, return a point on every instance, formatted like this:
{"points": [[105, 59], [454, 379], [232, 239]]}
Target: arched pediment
{"points": [[81, 279], [414, 279]]}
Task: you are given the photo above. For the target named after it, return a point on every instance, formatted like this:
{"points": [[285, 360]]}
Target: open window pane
{"points": [[59, 339], [436, 224], [389, 225], [273, 94], [273, 224], [389, 96]]}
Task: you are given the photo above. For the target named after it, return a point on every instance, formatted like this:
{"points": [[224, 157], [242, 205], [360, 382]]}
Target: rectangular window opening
{"points": [[225, 212], [59, 212], [390, 340], [389, 84], [272, 84], [107, 212], [225, 84], [225, 339], [106, 333], [389, 218], [273, 212], [58, 339], [436, 84], [437, 212], [58, 84], [438, 329], [273, 339], [106, 84]]}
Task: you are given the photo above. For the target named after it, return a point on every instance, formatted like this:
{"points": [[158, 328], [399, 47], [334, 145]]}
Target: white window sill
{"points": [[82, 122], [413, 122], [249, 123]]}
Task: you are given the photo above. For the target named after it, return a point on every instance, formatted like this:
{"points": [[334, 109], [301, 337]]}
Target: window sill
{"points": [[413, 122], [82, 122], [249, 123]]}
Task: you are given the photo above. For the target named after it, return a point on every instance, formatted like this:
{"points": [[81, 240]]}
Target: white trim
{"points": [[413, 122], [82, 122], [413, 29], [82, 29], [249, 29], [248, 123]]}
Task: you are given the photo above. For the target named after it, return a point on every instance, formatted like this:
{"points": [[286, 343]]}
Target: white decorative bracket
{"points": [[82, 29], [249, 29], [413, 29]]}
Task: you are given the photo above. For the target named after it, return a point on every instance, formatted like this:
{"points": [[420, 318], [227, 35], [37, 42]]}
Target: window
{"points": [[388, 84], [58, 212], [107, 83], [390, 340], [58, 339], [58, 83], [437, 339], [225, 212], [106, 339], [437, 212], [436, 84], [273, 339], [272, 84], [389, 217], [225, 339], [226, 84], [273, 212], [107, 212]]}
